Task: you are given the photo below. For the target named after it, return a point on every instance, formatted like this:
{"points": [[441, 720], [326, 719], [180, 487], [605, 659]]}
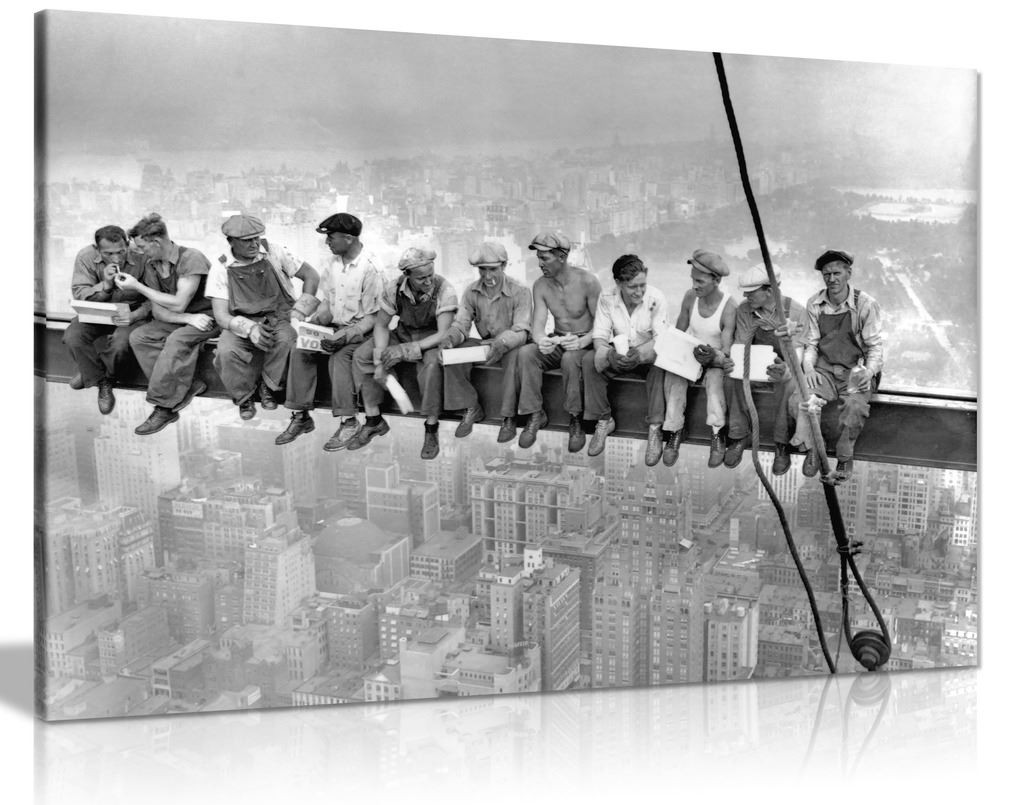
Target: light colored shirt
{"points": [[866, 321], [87, 278], [510, 311], [351, 292], [647, 321], [280, 259], [447, 301]]}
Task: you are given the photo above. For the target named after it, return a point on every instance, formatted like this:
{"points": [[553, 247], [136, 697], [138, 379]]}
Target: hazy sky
{"points": [[113, 81]]}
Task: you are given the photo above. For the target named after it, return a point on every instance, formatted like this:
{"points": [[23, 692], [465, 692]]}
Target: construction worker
{"points": [[634, 313], [167, 348], [351, 284], [100, 350], [570, 295], [254, 302], [425, 304], [501, 309], [842, 360]]}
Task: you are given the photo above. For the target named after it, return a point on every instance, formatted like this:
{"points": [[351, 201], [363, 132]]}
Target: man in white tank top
{"points": [[710, 316]]}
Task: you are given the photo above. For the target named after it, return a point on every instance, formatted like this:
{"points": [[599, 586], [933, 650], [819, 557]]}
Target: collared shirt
{"points": [[647, 321], [162, 273], [280, 259], [87, 278], [447, 301], [352, 292], [866, 322], [747, 322], [511, 310]]}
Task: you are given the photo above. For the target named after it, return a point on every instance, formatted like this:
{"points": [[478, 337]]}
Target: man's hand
{"points": [[202, 322], [495, 353], [110, 271], [332, 345], [779, 371], [261, 336], [446, 343], [297, 315], [380, 374], [126, 282], [571, 343], [391, 356], [705, 354], [628, 361], [860, 379], [727, 365], [547, 345], [814, 378]]}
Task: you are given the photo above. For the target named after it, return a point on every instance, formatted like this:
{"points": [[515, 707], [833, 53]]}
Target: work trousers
{"points": [[533, 364], [302, 372], [99, 350], [241, 364], [675, 399], [595, 389], [853, 410], [739, 414], [167, 354], [429, 377], [460, 394]]}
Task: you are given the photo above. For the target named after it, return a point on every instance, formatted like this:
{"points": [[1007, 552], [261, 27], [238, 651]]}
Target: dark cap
{"points": [[833, 256], [709, 263], [243, 226], [488, 253], [546, 241], [341, 222]]}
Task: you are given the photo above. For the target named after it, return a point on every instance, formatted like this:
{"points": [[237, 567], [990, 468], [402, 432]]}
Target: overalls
{"points": [[256, 292], [416, 320], [739, 415]]}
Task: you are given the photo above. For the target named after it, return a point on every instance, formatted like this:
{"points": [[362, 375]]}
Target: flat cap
{"points": [[833, 256], [488, 253], [414, 257], [546, 241], [757, 277], [709, 263], [243, 226], [340, 222]]}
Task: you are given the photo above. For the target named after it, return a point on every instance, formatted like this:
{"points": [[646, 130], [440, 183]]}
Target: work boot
{"points": [[734, 452], [105, 396], [343, 435], [605, 427], [811, 463], [717, 454], [538, 420], [301, 423], [76, 382], [671, 453], [247, 409], [577, 438], [366, 432], [198, 387], [781, 464], [267, 401], [472, 416], [655, 444], [430, 446], [507, 432], [157, 421]]}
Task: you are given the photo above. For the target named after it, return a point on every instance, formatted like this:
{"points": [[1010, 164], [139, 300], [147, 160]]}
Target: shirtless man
{"points": [[570, 294], [709, 315]]}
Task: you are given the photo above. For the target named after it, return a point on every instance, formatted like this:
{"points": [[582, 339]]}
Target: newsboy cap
{"points": [[488, 253], [757, 277], [341, 222], [546, 241], [414, 257], [833, 256], [709, 263], [243, 226]]}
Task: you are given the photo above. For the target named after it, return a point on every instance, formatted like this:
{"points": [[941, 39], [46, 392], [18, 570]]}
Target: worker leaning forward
{"points": [[570, 295], [842, 360], [167, 348], [254, 301], [500, 308], [709, 315], [425, 304], [351, 284]]}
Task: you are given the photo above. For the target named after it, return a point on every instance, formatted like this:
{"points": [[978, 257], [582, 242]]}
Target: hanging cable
{"points": [[870, 648]]}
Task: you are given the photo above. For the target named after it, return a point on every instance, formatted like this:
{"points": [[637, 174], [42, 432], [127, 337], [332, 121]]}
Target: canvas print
{"points": [[474, 366]]}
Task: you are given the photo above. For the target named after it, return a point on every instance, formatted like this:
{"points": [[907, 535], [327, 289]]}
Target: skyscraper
{"points": [[279, 573]]}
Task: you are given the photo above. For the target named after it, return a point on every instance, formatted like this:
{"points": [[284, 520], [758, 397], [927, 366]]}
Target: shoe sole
{"points": [[350, 446], [333, 446], [310, 429], [157, 430]]}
